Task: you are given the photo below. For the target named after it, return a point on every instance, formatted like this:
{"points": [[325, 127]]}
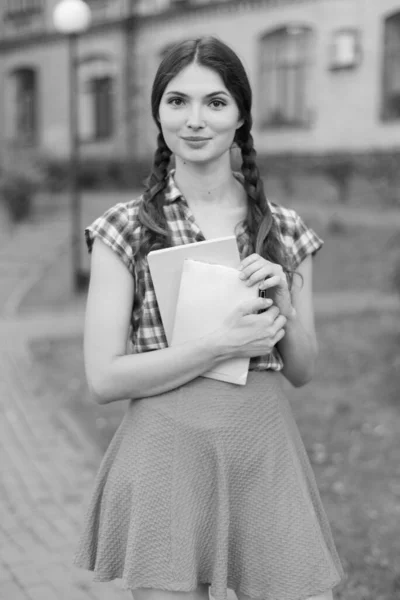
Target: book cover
{"points": [[207, 293], [166, 269]]}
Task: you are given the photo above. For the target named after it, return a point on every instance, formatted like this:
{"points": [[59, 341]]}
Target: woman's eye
{"points": [[217, 103], [175, 101]]}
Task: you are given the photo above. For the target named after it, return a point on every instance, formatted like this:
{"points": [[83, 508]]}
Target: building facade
{"points": [[325, 73]]}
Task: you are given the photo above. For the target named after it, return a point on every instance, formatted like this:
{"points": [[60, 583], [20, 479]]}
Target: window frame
{"points": [[28, 136], [266, 122], [90, 96], [16, 10], [389, 56], [102, 133]]}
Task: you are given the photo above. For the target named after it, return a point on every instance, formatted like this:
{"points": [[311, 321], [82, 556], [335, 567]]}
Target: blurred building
{"points": [[325, 73]]}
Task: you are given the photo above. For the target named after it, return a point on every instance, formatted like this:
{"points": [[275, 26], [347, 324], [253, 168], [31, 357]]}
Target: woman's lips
{"points": [[196, 142]]}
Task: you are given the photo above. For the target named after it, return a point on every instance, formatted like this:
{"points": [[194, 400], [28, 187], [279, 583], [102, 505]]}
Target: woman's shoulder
{"points": [[287, 219], [298, 237], [126, 211], [122, 216], [119, 228]]}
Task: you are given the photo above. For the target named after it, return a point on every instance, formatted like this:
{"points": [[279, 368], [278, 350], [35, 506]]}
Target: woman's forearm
{"points": [[149, 373], [299, 350]]}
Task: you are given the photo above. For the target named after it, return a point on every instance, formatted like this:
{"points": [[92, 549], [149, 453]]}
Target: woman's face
{"points": [[198, 115]]}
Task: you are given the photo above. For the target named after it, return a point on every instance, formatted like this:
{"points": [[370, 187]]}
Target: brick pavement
{"points": [[47, 469], [26, 255]]}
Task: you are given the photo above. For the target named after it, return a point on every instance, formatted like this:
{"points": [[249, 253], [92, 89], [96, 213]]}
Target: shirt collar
{"points": [[172, 193]]}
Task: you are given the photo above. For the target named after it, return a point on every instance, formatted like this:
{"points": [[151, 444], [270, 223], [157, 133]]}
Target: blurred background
{"points": [[76, 137]]}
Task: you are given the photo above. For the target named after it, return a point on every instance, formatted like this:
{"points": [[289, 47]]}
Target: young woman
{"points": [[205, 483]]}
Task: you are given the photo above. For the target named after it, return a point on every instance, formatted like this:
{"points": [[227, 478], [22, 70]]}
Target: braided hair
{"points": [[212, 53], [154, 232], [260, 223]]}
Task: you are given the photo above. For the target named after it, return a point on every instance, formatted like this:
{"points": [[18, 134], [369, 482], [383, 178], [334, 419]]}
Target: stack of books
{"points": [[196, 286]]}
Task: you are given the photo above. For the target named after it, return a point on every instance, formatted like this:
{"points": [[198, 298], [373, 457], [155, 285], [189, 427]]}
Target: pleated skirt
{"points": [[210, 483]]}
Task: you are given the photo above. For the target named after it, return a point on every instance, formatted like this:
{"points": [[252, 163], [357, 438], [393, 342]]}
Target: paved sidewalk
{"points": [[47, 469], [27, 254], [46, 464]]}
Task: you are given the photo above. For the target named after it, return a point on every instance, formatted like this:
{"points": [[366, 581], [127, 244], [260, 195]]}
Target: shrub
{"points": [[337, 225], [17, 192], [96, 174], [283, 166], [340, 172], [395, 271], [55, 177], [382, 170], [396, 276]]}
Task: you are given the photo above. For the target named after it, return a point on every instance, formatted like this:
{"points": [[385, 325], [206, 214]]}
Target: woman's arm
{"points": [[112, 374], [299, 348]]}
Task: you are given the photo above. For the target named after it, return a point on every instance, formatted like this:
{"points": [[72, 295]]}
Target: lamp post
{"points": [[71, 18]]}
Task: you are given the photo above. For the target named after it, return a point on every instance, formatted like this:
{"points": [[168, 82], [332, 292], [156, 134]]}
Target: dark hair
{"points": [[212, 53]]}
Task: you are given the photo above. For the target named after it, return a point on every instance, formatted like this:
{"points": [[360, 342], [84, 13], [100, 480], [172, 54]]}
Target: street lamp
{"points": [[72, 17]]}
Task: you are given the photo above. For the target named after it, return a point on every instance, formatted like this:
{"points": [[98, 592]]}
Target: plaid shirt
{"points": [[119, 228]]}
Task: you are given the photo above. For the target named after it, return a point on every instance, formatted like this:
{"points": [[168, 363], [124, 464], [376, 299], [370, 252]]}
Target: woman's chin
{"points": [[200, 158]]}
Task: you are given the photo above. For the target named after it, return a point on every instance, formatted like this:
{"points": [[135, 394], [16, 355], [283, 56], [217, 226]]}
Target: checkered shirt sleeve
{"points": [[299, 239], [116, 229], [305, 242]]}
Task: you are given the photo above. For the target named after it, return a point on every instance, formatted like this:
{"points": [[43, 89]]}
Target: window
{"points": [[179, 3], [285, 68], [22, 106], [345, 49], [20, 9], [97, 5], [391, 69], [102, 94], [148, 7], [96, 111]]}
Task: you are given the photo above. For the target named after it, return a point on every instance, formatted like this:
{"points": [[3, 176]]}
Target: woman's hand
{"points": [[245, 333], [256, 270]]}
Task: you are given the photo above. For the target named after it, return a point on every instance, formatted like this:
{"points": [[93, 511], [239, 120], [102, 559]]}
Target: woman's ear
{"points": [[240, 123]]}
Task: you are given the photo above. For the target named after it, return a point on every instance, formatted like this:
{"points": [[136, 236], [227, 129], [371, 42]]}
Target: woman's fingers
{"points": [[249, 260], [278, 324], [249, 307], [278, 336], [256, 272], [271, 282], [264, 273], [271, 315]]}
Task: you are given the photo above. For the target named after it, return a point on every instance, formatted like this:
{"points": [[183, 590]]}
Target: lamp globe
{"points": [[72, 16]]}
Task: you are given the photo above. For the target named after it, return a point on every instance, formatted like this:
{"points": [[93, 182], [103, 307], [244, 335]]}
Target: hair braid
{"points": [[260, 222], [151, 215]]}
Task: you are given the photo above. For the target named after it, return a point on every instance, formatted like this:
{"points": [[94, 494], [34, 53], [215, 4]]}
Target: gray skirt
{"points": [[210, 483]]}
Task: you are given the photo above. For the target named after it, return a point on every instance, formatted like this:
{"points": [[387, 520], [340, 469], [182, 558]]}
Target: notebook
{"points": [[166, 268], [207, 293]]}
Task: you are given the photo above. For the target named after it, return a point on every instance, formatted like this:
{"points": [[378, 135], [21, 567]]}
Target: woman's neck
{"points": [[209, 183]]}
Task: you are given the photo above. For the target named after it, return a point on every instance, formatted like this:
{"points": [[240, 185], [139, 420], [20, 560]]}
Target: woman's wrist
{"points": [[217, 346], [292, 315]]}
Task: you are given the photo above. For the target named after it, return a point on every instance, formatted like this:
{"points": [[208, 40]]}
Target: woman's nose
{"points": [[195, 118]]}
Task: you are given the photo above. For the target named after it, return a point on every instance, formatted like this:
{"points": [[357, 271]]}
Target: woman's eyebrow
{"points": [[218, 93]]}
